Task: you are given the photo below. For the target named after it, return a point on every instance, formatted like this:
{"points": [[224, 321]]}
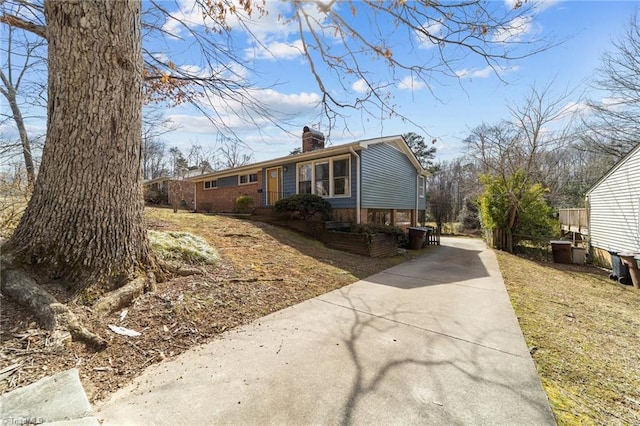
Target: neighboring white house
{"points": [[614, 208]]}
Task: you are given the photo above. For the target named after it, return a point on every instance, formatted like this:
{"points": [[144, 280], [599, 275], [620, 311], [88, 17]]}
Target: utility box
{"points": [[578, 255]]}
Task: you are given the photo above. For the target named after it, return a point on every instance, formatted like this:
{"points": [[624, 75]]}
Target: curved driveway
{"points": [[431, 341]]}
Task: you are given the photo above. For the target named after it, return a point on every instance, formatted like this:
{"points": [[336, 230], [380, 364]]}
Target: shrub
{"points": [[243, 203], [305, 206]]}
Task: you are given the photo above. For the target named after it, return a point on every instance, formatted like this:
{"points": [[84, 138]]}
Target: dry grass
{"points": [[261, 269], [586, 329]]}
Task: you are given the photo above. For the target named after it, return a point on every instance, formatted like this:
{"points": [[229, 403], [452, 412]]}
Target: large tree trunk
{"points": [[84, 222]]}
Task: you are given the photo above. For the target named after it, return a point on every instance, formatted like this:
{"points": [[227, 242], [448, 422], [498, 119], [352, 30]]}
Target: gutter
{"points": [[357, 184]]}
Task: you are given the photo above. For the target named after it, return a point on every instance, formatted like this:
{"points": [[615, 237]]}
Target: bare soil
{"points": [[262, 269], [584, 332]]}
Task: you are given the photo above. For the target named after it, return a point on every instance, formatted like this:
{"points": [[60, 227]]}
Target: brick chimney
{"points": [[312, 139]]}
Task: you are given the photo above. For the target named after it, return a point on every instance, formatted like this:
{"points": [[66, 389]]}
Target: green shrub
{"points": [[304, 206], [243, 203]]}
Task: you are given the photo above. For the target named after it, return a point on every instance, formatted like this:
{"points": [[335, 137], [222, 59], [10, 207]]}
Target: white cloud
{"points": [[434, 28], [360, 86], [575, 108], [514, 31], [485, 72], [477, 73], [410, 83], [275, 50]]}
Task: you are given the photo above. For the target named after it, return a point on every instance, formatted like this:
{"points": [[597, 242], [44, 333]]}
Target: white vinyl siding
{"points": [[614, 203]]}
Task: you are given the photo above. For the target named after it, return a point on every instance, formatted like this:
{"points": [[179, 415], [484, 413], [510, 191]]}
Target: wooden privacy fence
{"points": [[499, 239], [574, 220]]}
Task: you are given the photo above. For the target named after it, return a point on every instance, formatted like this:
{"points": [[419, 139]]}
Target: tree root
{"points": [[180, 270], [124, 295], [51, 314]]}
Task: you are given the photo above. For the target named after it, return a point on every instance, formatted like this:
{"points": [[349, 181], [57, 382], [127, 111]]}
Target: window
{"points": [[322, 179], [421, 187], [341, 177], [250, 178], [304, 179], [327, 178], [209, 184]]}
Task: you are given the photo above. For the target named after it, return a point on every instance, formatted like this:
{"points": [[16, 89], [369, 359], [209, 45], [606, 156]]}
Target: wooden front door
{"points": [[274, 185]]}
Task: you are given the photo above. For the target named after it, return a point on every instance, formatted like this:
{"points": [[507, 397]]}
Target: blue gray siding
{"points": [[389, 179], [228, 181]]}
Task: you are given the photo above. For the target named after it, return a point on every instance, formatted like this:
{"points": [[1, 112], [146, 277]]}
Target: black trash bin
{"points": [[416, 238], [561, 251], [619, 271]]}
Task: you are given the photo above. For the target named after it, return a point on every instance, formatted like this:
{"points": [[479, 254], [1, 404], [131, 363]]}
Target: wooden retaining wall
{"points": [[376, 245]]}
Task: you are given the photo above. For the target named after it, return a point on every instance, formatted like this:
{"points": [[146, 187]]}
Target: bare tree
{"points": [[515, 154], [232, 153], [154, 127], [201, 157], [23, 57], [615, 125]]}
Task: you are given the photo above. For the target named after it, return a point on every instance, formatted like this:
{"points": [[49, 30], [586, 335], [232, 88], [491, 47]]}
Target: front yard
{"points": [[262, 269]]}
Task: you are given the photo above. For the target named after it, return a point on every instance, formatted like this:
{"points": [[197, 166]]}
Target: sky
{"points": [[445, 110]]}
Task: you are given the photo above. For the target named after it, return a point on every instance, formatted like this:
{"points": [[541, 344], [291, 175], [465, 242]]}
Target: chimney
{"points": [[312, 139]]}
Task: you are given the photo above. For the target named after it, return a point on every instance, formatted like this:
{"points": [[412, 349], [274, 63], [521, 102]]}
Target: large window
{"points": [[327, 177], [421, 187]]}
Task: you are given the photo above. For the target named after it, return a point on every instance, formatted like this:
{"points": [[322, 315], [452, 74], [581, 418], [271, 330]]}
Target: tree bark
{"points": [[84, 223]]}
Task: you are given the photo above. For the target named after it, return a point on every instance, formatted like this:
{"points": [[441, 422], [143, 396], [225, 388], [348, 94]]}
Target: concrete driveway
{"points": [[432, 341]]}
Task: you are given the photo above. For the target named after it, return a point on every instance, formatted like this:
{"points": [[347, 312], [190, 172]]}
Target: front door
{"points": [[274, 185]]}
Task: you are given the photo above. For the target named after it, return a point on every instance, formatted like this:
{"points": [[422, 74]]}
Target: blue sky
{"points": [[447, 113], [453, 108]]}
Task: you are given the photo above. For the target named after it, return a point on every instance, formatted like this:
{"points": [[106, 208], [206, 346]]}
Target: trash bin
{"points": [[578, 255], [416, 238], [628, 259], [619, 271], [561, 251]]}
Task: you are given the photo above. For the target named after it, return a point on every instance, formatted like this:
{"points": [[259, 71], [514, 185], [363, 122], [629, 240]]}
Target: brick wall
{"points": [[222, 200]]}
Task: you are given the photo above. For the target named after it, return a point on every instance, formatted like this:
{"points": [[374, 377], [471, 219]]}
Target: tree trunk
{"points": [[22, 131], [84, 222]]}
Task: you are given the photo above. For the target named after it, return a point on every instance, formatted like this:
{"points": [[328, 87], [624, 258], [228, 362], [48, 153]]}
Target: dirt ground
{"points": [[262, 269]]}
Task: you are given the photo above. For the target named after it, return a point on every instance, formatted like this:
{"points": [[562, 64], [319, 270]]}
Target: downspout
{"points": [[415, 214], [357, 184], [195, 196]]}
